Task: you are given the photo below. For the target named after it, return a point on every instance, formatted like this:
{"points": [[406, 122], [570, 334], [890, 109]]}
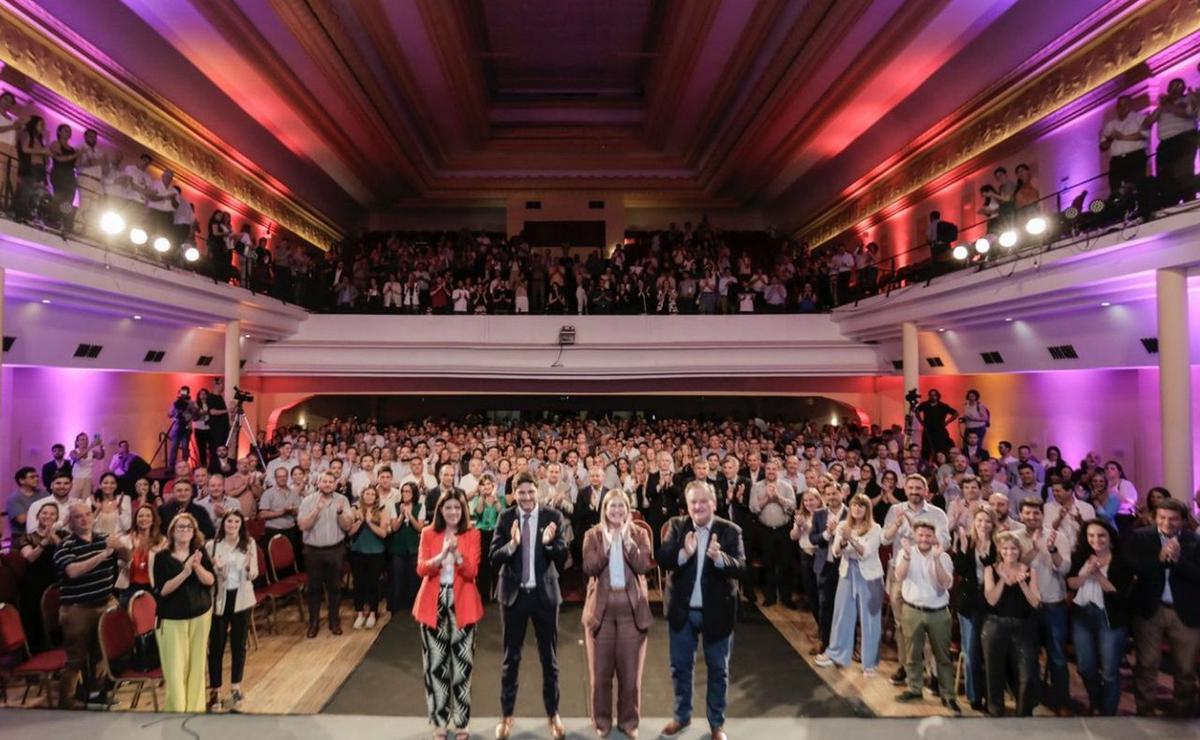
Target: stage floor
{"points": [[767, 677]]}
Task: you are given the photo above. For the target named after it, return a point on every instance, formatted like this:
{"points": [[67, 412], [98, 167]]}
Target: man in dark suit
{"points": [[825, 566], [733, 503], [445, 483], [704, 555], [1166, 605], [662, 496], [587, 510], [530, 552]]}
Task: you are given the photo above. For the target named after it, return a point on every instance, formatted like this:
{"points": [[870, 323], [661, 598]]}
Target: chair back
{"points": [[637, 516], [50, 621], [116, 636], [12, 633], [662, 531], [644, 525], [283, 559], [143, 612], [256, 528], [263, 573]]}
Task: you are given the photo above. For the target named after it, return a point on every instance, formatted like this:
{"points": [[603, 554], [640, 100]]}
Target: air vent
{"points": [[898, 364], [935, 362], [204, 361], [82, 350], [154, 355], [1151, 345], [89, 351], [1063, 352], [596, 205], [991, 358], [533, 205], [8, 343]]}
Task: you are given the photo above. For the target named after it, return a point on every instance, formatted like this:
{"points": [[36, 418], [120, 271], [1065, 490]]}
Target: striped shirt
{"points": [[91, 587]]}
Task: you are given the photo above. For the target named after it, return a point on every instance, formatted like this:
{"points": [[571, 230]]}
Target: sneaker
{"points": [[371, 621], [234, 702], [823, 660], [358, 621], [870, 673], [900, 677]]}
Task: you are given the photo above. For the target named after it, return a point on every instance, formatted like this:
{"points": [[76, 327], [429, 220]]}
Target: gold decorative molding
{"points": [[1117, 49], [89, 84]]}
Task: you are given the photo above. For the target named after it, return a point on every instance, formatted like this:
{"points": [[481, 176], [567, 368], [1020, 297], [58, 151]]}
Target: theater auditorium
{"points": [[599, 368]]}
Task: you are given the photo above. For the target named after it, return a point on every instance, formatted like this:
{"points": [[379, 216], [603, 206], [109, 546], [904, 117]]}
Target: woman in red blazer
{"points": [[448, 607]]}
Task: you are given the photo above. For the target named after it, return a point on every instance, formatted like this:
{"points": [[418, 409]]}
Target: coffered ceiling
{"points": [[368, 105]]}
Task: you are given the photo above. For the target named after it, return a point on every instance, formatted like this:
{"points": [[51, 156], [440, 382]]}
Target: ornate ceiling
{"points": [[785, 105]]}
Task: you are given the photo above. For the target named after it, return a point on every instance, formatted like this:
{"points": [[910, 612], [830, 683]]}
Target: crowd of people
{"points": [[1016, 555]]}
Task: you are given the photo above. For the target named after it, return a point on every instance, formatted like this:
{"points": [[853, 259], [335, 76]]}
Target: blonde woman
{"points": [[182, 575], [859, 596], [368, 547], [1010, 630]]}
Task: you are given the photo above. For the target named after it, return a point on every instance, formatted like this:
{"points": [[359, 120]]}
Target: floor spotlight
{"points": [[162, 244], [1071, 213], [1008, 239], [1096, 206], [191, 254], [983, 245], [1036, 225], [138, 236], [961, 252], [112, 223]]}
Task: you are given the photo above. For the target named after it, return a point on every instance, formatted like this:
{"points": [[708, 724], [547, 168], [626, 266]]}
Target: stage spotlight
{"points": [[1036, 225], [138, 236], [162, 244], [1096, 206], [191, 254], [961, 252], [112, 223], [982, 245], [1071, 213], [1008, 239]]}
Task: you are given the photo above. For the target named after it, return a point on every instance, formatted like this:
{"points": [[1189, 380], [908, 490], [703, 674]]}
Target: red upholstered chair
{"points": [[116, 645], [283, 562], [50, 621], [662, 535], [256, 528], [269, 591], [658, 575], [143, 612], [18, 662]]}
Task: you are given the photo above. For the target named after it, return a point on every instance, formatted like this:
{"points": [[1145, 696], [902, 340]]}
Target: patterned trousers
{"points": [[448, 653]]}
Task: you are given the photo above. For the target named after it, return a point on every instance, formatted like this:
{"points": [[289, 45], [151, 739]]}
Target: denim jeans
{"points": [[1052, 622], [683, 657], [972, 649], [1098, 651]]}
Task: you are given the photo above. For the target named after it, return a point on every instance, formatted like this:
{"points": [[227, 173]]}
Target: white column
{"points": [[1174, 383], [233, 359], [910, 357]]}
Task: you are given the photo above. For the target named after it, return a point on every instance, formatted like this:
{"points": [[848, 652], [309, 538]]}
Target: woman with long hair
{"points": [[234, 555], [217, 241], [1102, 498], [83, 457], [973, 554], [866, 484], [182, 575], [368, 548], [1009, 635], [616, 613], [405, 525], [200, 429], [486, 508], [888, 495], [143, 540], [1103, 583], [802, 527], [860, 589], [448, 607], [32, 156], [113, 512], [1126, 494], [37, 546], [976, 417]]}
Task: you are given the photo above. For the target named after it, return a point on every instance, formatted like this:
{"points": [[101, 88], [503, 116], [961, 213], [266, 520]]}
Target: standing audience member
{"points": [[37, 548], [802, 529], [825, 564], [18, 503], [1103, 583], [368, 535], [486, 509], [448, 607], [1127, 139], [234, 556], [926, 574], [976, 417], [145, 539], [616, 613], [974, 554], [403, 545], [773, 501], [1175, 160], [1049, 558], [324, 518], [859, 599], [182, 575], [1009, 634]]}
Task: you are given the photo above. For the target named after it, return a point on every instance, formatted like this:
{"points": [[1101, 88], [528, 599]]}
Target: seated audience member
{"points": [[1009, 635], [1166, 606], [182, 574], [925, 573], [28, 491], [181, 502], [859, 600], [1103, 584]]}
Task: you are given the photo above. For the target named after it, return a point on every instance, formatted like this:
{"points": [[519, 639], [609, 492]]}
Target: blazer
{"points": [[725, 503], [822, 556], [245, 593], [869, 563], [1142, 551], [595, 566], [548, 560], [468, 607], [664, 500], [1120, 574], [718, 585], [585, 517]]}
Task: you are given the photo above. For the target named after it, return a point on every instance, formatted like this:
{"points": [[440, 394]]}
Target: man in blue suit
{"points": [[824, 527]]}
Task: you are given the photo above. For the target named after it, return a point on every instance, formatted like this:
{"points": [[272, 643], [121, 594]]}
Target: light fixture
{"points": [[1096, 206], [1008, 239], [1008, 318], [1105, 304], [191, 254], [961, 252], [112, 223], [1036, 225], [138, 236], [1071, 213], [982, 245], [941, 331], [45, 300], [162, 244], [137, 317]]}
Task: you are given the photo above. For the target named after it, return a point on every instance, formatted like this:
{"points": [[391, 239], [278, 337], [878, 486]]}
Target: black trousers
{"points": [[235, 625], [1009, 642], [778, 557], [484, 579], [1126, 168], [324, 568], [808, 582], [827, 585], [514, 622], [402, 581], [366, 569], [1175, 164]]}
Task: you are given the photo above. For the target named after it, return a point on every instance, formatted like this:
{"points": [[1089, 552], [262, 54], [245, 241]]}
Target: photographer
{"points": [[183, 410]]}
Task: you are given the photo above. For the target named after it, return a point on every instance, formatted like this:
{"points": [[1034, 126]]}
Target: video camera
{"points": [[913, 397], [241, 396]]}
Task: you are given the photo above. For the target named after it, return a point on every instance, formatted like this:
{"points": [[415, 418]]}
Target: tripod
{"points": [[239, 422]]}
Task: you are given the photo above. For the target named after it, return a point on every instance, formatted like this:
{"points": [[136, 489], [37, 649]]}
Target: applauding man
{"points": [[704, 555], [530, 552], [324, 517]]}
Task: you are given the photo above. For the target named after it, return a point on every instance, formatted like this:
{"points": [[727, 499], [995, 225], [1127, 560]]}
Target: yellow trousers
{"points": [[182, 646]]}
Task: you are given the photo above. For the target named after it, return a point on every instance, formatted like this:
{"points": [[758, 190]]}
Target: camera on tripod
{"points": [[913, 397], [241, 396]]}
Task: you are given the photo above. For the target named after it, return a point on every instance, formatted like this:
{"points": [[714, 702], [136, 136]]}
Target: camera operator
{"points": [[183, 410]]}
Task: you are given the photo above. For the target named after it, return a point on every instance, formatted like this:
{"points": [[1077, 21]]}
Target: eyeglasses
{"points": [[184, 526]]}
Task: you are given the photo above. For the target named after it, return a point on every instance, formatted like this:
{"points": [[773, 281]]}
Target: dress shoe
{"points": [[979, 705], [602, 731], [673, 728], [335, 628], [900, 677], [504, 728], [557, 730], [909, 695], [313, 629], [718, 733]]}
